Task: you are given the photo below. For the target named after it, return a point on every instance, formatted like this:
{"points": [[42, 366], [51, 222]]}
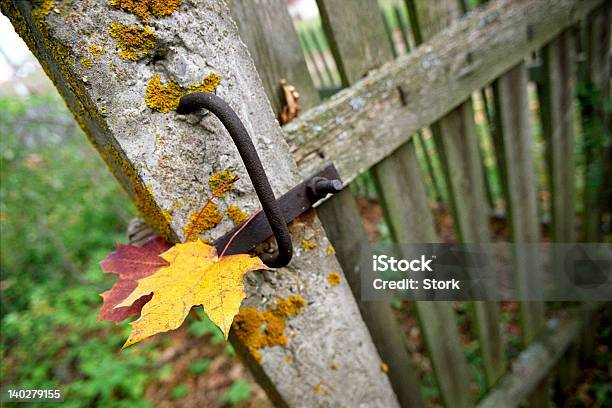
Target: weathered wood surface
{"points": [[457, 142], [347, 24], [355, 32], [361, 125], [533, 364], [164, 161], [404, 199], [410, 220], [596, 118], [339, 214], [556, 95], [515, 145], [278, 50]]}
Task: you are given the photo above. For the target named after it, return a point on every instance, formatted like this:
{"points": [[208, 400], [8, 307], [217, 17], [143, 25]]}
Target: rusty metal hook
{"points": [[191, 103]]}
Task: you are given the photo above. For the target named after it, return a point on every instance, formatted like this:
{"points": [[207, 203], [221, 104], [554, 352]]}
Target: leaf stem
{"points": [[238, 231]]}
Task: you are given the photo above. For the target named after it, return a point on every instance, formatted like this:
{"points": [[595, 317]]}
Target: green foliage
{"points": [[205, 326], [199, 367], [180, 391], [239, 391], [59, 209]]}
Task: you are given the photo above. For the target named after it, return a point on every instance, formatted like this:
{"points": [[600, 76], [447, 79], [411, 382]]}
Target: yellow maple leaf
{"points": [[195, 276]]}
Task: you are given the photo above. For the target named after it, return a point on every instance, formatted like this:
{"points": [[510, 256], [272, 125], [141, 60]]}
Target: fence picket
{"points": [[283, 61], [457, 144], [556, 95], [409, 217], [399, 182], [418, 137], [595, 118], [515, 146], [355, 32]]}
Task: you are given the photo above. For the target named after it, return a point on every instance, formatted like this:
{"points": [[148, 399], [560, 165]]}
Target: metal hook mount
{"points": [[318, 187]]}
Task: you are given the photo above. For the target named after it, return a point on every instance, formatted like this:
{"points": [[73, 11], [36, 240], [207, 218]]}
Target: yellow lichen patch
{"points": [[330, 249], [222, 182], [259, 330], [289, 359], [143, 8], [134, 42], [162, 98], [208, 84], [96, 51], [43, 7], [321, 389], [333, 278], [384, 367], [308, 244], [203, 220], [333, 367], [167, 215], [86, 62], [236, 214]]}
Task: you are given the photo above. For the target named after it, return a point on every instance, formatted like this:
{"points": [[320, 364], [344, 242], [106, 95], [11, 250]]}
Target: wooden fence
{"points": [[338, 349]]}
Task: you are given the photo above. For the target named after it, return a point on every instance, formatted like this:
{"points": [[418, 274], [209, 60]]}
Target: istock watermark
{"points": [[497, 271], [385, 263]]}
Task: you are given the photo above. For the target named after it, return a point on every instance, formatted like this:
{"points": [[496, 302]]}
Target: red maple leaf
{"points": [[131, 263]]}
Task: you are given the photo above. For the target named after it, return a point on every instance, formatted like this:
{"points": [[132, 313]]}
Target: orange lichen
{"points": [[208, 84], [164, 98], [384, 367], [260, 330], [203, 220], [288, 307], [246, 326], [143, 8], [135, 42], [236, 214], [137, 7], [222, 182], [308, 245], [333, 278]]}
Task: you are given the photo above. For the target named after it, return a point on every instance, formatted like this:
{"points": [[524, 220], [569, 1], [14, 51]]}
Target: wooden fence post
{"points": [[164, 161]]}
